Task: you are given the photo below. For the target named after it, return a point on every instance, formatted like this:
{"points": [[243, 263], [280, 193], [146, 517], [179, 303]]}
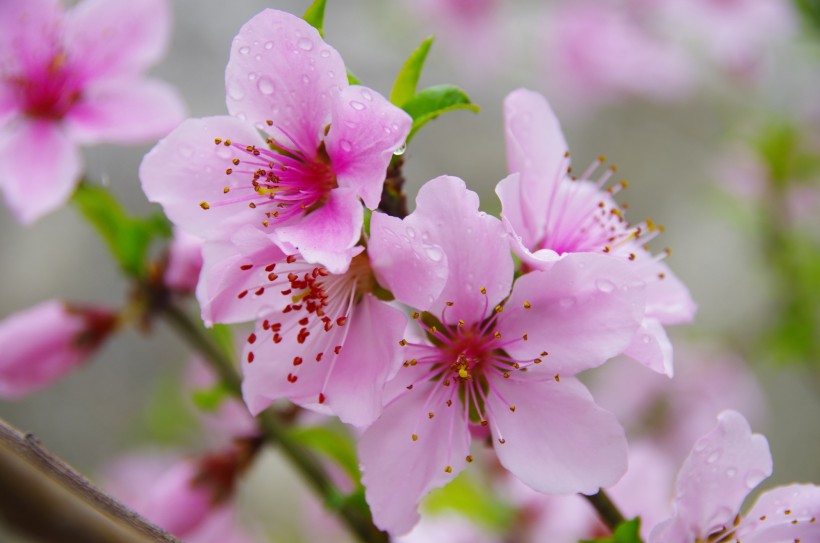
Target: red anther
{"points": [[319, 357], [303, 335], [266, 324], [260, 292], [250, 357], [297, 360], [275, 327], [321, 398], [272, 277], [291, 259], [292, 378], [341, 321], [270, 267], [277, 338], [245, 267], [304, 321], [252, 338], [242, 294], [292, 277], [337, 349], [287, 292]]}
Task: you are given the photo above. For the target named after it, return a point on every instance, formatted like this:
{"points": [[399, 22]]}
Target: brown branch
{"points": [[49, 500]]}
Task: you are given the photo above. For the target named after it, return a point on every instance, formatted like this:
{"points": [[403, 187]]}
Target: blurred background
{"points": [[717, 134]]}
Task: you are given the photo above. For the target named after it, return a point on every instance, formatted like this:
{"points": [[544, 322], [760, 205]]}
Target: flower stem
{"points": [[607, 510], [274, 429]]}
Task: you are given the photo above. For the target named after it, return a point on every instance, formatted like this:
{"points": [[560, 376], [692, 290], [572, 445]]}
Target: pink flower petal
{"points": [[329, 234], [536, 149], [721, 470], [652, 348], [447, 215], [369, 356], [583, 311], [366, 129], [668, 299], [281, 70], [401, 262], [125, 112], [187, 168], [39, 168], [768, 520], [557, 440], [184, 262], [111, 38], [23, 23], [397, 471], [517, 217], [234, 266]]}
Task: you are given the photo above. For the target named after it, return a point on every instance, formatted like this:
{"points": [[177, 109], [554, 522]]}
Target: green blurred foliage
{"points": [[626, 532]]}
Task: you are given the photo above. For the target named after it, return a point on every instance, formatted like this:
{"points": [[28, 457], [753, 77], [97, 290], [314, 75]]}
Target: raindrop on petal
{"points": [[605, 285], [401, 149], [358, 106], [265, 85], [305, 44]]}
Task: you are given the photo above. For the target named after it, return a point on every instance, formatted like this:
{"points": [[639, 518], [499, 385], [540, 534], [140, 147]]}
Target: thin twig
{"points": [[36, 483], [275, 431], [608, 511]]}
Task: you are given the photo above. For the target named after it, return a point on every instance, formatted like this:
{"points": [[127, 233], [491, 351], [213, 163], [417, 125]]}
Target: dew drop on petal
{"points": [[434, 253], [244, 50], [305, 44], [713, 456], [252, 76], [346, 146], [700, 445], [367, 95], [265, 85], [325, 54], [731, 472], [401, 149], [269, 45], [605, 285], [306, 79], [358, 106], [411, 232], [235, 92], [753, 478]]}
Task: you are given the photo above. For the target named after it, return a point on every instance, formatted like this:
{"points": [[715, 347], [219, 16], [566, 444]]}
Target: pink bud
{"points": [[45, 342], [184, 262]]}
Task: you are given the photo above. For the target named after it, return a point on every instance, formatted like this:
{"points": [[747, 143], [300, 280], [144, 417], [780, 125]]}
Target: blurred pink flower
{"points": [[184, 262], [231, 418], [40, 345], [74, 77], [602, 52], [507, 357], [171, 494], [322, 340], [723, 467], [447, 528], [549, 214], [673, 413], [328, 145]]}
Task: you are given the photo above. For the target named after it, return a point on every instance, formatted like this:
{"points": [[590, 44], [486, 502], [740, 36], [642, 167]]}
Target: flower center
{"points": [[47, 91], [280, 181]]}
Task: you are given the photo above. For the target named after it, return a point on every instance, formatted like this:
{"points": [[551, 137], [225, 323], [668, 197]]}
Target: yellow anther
{"points": [[527, 305], [415, 437], [204, 205]]}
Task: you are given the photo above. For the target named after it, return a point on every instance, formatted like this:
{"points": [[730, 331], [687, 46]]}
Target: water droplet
{"points": [[605, 285], [269, 45], [244, 50], [346, 146], [700, 445], [367, 95], [358, 106], [753, 478], [258, 58], [713, 456], [305, 44], [646, 339], [566, 303], [425, 236], [400, 149], [265, 85], [411, 232], [731, 472], [252, 76], [350, 124], [434, 253], [235, 92], [306, 79], [325, 53]]}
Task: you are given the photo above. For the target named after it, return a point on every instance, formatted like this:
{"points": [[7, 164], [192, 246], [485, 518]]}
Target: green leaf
{"points": [[431, 102], [467, 497], [626, 532], [127, 237], [404, 87], [168, 416], [223, 336], [209, 399], [333, 442], [352, 79], [810, 9], [315, 16]]}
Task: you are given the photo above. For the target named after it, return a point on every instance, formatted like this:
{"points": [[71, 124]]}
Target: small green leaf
{"points": [[431, 102], [333, 442], [127, 237], [315, 16], [406, 82], [626, 532], [467, 497], [223, 336], [209, 399], [352, 79]]}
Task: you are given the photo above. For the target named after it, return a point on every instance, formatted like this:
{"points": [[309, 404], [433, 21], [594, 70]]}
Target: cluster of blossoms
{"points": [[277, 192], [436, 333]]}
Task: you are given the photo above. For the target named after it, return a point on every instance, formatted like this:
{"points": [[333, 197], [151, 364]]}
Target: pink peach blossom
{"points": [[723, 467], [492, 354], [327, 146], [321, 340], [40, 345], [548, 214], [71, 77], [184, 262]]}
